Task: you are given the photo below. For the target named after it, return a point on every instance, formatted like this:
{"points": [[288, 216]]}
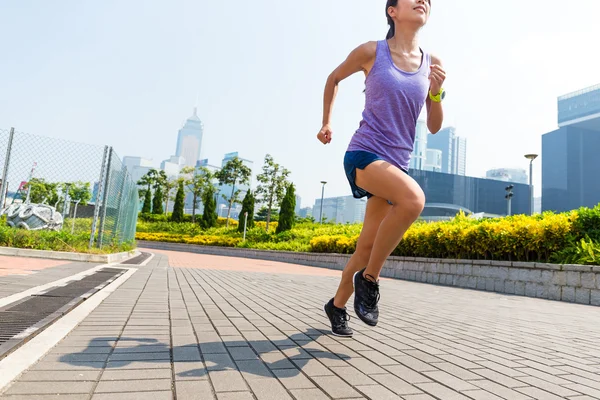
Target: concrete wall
{"points": [[569, 283]]}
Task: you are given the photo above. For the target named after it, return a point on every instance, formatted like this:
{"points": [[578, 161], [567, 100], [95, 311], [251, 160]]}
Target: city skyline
{"points": [[502, 84]]}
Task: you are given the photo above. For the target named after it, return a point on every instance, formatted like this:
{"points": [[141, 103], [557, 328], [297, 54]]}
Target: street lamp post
{"points": [[508, 197], [322, 195], [531, 157]]}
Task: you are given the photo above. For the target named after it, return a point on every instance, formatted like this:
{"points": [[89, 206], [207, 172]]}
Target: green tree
{"points": [[178, 211], [168, 185], [209, 216], [147, 207], [261, 215], [148, 181], [78, 191], [272, 183], [287, 216], [247, 207], [233, 173], [157, 201], [41, 191], [197, 182]]}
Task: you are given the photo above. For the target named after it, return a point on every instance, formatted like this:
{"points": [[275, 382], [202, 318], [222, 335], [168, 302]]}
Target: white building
{"points": [[517, 175], [341, 210], [419, 154], [137, 166], [433, 161], [173, 166]]}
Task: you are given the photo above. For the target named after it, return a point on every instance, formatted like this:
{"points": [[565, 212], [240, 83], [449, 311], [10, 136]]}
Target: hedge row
{"points": [[572, 237]]}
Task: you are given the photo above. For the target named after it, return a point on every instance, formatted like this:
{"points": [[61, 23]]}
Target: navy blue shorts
{"points": [[358, 159]]}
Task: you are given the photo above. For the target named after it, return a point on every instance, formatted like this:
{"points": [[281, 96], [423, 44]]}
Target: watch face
{"points": [[443, 94]]}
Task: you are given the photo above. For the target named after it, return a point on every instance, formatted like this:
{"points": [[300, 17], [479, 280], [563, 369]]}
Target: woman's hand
{"points": [[437, 77], [325, 134]]}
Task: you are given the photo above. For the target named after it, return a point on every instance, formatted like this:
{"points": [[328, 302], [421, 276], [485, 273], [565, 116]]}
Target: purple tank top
{"points": [[394, 100]]}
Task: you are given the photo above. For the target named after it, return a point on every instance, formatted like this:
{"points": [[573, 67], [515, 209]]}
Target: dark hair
{"points": [[391, 23]]}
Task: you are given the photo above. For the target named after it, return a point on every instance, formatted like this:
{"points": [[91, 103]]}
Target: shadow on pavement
{"points": [[216, 355]]}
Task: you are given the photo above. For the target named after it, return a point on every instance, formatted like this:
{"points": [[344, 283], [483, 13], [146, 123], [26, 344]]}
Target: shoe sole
{"points": [[332, 332], [357, 314]]}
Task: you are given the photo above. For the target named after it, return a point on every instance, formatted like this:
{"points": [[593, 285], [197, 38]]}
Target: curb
{"points": [[60, 255]]}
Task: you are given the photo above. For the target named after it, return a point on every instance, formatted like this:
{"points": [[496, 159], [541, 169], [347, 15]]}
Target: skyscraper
{"points": [[419, 154], [454, 150], [570, 161], [189, 140], [459, 156]]}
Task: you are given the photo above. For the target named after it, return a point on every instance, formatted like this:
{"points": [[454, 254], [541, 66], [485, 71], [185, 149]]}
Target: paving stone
{"points": [[440, 391], [54, 387], [353, 376], [134, 396], [293, 379], [312, 367], [309, 394], [481, 395], [419, 397], [254, 369], [276, 360], [191, 353], [396, 384], [233, 396], [111, 386], [269, 389], [242, 353], [136, 374], [191, 390], [335, 387], [72, 376], [227, 381], [218, 362], [539, 393]]}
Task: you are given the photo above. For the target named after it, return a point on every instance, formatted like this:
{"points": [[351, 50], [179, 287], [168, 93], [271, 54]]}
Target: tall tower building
{"points": [[453, 148], [419, 155], [189, 140]]}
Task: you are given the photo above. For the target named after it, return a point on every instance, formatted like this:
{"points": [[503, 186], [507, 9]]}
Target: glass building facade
{"points": [[570, 161], [446, 193], [570, 169], [579, 106]]}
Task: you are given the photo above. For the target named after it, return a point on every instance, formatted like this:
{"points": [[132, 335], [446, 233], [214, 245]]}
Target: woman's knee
{"points": [[410, 202]]}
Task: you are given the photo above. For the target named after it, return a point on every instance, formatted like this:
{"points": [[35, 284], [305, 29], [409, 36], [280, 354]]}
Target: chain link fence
{"points": [[87, 184]]}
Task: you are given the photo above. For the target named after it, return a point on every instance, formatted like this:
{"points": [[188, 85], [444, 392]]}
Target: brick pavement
{"points": [[198, 331]]}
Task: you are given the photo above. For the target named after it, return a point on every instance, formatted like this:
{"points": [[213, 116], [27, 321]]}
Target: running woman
{"points": [[400, 79]]}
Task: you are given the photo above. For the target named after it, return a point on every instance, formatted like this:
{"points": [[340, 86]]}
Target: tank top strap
{"points": [[380, 54]]}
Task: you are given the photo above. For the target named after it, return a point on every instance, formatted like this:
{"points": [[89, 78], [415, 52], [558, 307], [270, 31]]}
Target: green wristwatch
{"points": [[438, 97]]}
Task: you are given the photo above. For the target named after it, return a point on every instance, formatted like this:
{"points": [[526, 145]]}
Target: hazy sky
{"points": [[127, 73]]}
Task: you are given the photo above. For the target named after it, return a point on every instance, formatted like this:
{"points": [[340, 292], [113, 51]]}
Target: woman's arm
{"points": [[435, 111], [360, 59]]}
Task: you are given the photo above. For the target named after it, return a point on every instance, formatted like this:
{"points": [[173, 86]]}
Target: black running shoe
{"points": [[366, 297], [339, 320]]}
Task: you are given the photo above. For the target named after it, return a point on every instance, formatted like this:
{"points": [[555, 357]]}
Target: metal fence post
{"points": [[103, 214], [98, 197], [5, 171], [119, 202]]}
